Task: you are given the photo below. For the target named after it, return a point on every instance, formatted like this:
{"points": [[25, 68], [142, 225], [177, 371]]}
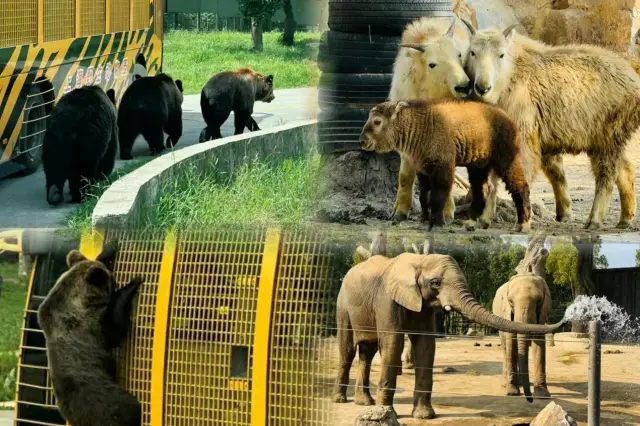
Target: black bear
{"points": [[150, 106], [233, 91], [80, 143], [83, 318]]}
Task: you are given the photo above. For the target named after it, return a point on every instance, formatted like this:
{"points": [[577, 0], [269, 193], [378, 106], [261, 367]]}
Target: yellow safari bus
{"points": [[50, 47]]}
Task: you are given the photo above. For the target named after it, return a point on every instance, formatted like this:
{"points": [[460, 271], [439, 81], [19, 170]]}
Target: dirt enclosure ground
{"points": [[362, 190], [473, 395]]}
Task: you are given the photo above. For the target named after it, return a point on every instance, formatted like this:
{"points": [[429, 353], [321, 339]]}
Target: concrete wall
{"points": [[130, 200], [306, 12]]}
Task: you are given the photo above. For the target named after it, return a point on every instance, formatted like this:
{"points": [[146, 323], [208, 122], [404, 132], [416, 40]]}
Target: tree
{"points": [[259, 11], [571, 265], [288, 36], [638, 258]]}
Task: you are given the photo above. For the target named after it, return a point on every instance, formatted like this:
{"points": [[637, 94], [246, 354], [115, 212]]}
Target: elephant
{"points": [[383, 298], [525, 298]]}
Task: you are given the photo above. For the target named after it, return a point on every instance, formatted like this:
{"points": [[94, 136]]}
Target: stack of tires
{"points": [[356, 59]]}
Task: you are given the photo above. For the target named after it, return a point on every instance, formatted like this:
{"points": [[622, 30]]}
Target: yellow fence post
{"points": [[91, 243], [264, 308], [160, 331], [40, 15], [107, 16], [78, 14]]}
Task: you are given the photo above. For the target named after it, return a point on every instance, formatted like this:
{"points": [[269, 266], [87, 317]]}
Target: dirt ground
{"points": [[473, 395], [362, 191]]}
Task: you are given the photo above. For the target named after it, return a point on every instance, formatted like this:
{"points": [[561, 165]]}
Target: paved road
{"points": [[22, 199], [6, 418]]}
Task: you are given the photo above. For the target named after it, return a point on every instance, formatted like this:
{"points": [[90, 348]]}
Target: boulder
{"points": [[556, 27], [553, 415], [378, 415]]}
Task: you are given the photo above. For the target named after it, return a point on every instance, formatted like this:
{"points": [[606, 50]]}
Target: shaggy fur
{"points": [[431, 69], [83, 319], [565, 100], [80, 143], [437, 136], [150, 106], [233, 91]]}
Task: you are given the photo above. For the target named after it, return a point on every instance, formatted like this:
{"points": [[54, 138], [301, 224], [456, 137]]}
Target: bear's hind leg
{"points": [[252, 125], [155, 138], [174, 129], [75, 187], [55, 190], [127, 134]]}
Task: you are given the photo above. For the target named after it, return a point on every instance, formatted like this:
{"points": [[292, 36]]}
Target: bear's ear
{"points": [[269, 79], [111, 94], [74, 257], [98, 276], [179, 84]]}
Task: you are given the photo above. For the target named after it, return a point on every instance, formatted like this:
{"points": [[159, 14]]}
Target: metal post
{"points": [[594, 373]]}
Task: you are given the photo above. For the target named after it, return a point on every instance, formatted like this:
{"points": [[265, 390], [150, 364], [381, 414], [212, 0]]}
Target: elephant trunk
{"points": [[523, 365], [464, 303]]}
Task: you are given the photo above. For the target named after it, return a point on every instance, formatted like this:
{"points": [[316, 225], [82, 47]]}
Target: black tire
{"points": [[339, 129], [36, 112], [356, 53], [385, 17], [353, 90]]}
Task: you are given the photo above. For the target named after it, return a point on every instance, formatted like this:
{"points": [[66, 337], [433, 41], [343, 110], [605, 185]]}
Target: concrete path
{"points": [[6, 418], [23, 202]]}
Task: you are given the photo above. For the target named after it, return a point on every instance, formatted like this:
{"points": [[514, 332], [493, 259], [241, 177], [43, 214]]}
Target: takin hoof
{"points": [[564, 217], [593, 226], [409, 366], [398, 217], [484, 223], [422, 412], [512, 390], [364, 400], [339, 398], [541, 392], [469, 225], [522, 227], [623, 224]]}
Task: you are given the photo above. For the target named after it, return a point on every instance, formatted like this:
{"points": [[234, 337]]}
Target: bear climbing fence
{"points": [[226, 330]]}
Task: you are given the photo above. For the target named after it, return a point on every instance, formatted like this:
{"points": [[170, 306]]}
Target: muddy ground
{"points": [[362, 189], [472, 395]]}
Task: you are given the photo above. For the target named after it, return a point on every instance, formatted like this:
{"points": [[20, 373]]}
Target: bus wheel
{"points": [[36, 112]]}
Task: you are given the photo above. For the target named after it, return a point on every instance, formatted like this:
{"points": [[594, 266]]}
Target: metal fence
{"points": [[226, 329]]}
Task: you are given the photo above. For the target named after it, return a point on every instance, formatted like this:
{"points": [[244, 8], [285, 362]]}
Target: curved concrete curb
{"points": [[125, 203]]}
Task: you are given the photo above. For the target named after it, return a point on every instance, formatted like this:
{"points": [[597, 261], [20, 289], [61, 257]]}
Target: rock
{"points": [[558, 27], [476, 344], [378, 415], [449, 370], [553, 414], [560, 4], [488, 345]]}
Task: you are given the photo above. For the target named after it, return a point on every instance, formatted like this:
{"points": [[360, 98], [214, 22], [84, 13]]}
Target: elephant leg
{"points": [[425, 348], [409, 356], [539, 368], [510, 365], [347, 351], [391, 346], [366, 352]]}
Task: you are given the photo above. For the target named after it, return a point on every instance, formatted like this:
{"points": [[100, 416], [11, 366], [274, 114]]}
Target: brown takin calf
{"points": [[437, 136]]}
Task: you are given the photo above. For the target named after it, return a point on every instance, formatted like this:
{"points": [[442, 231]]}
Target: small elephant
{"points": [[526, 299], [383, 298]]}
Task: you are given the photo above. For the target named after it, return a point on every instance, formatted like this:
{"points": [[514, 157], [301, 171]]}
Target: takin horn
{"points": [[509, 29], [417, 47], [452, 28], [469, 25]]}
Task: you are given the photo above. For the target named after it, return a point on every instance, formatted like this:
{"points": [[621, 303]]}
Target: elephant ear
{"points": [[401, 283]]}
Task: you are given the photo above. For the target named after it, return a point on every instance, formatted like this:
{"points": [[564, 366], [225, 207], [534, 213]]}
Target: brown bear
{"points": [[80, 143], [83, 318], [235, 91], [436, 136], [150, 106]]}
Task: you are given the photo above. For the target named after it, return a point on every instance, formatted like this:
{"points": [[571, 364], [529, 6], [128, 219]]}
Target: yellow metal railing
{"points": [[226, 327]]}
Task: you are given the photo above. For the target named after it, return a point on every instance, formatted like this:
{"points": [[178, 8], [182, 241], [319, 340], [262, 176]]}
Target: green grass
{"points": [[80, 219], [195, 57], [262, 194], [12, 303]]}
